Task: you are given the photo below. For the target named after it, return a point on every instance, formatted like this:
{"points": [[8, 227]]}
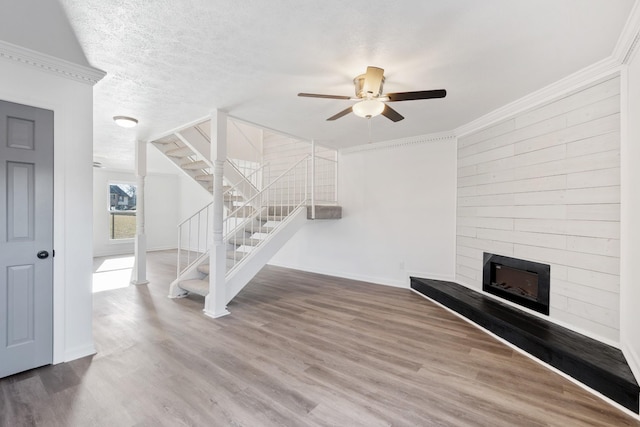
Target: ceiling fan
{"points": [[371, 103]]}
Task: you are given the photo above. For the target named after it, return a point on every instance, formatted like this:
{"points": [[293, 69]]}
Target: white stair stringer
{"points": [[181, 154], [243, 186], [198, 142], [246, 269], [196, 278]]}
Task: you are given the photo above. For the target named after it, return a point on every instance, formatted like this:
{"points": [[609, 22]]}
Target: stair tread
{"points": [[179, 152], [169, 139], [235, 255], [196, 286], [204, 177], [198, 164], [205, 269], [248, 241], [258, 229]]}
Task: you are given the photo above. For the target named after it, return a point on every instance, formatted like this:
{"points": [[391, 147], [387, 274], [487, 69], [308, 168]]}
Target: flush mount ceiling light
{"points": [[125, 122], [368, 108]]}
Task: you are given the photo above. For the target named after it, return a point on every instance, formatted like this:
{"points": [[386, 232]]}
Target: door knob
{"points": [[43, 255]]}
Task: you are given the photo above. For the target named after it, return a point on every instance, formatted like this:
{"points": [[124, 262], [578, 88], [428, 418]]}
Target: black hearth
{"points": [[595, 364], [523, 282]]}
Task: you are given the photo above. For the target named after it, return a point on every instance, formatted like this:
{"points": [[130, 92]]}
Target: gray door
{"points": [[26, 238]]}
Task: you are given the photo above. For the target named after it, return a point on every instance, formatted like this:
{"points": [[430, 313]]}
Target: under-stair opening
{"points": [[272, 183]]}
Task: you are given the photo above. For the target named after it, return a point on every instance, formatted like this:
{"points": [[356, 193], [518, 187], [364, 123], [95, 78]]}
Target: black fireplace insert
{"points": [[516, 280]]}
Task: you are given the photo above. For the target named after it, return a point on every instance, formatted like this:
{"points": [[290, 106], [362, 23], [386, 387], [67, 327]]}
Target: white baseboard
{"points": [[79, 352], [162, 248], [633, 359], [396, 283], [344, 275]]}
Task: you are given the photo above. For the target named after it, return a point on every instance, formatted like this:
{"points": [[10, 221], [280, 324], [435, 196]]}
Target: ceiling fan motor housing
{"points": [[360, 90]]}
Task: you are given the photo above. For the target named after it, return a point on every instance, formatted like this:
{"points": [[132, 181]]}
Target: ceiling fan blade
{"points": [[391, 114], [373, 81], [421, 94], [340, 114], [317, 95]]}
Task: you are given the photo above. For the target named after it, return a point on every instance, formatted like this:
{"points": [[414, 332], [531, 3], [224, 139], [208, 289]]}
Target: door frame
{"points": [[60, 119]]}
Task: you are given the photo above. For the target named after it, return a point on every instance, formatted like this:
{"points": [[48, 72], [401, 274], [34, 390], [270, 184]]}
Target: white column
{"points": [[313, 179], [215, 304], [139, 275]]}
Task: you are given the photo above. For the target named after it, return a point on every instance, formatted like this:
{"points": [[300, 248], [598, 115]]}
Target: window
{"points": [[122, 211]]}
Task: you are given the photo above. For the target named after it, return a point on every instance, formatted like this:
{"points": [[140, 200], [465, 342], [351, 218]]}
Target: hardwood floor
{"points": [[299, 349]]}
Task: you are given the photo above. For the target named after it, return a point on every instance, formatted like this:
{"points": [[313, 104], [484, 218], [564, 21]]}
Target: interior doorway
{"points": [[26, 237]]}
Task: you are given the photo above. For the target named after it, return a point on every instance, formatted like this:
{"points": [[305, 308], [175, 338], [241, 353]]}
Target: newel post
{"points": [[215, 303]]}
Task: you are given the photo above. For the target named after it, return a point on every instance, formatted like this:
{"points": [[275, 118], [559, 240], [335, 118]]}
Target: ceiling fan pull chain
{"points": [[369, 125]]}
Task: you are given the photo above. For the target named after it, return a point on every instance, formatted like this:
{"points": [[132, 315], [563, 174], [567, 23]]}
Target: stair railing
{"points": [[193, 239], [323, 181], [264, 213], [251, 171]]}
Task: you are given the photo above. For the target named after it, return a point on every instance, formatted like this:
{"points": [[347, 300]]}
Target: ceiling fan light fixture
{"points": [[368, 108], [125, 122]]}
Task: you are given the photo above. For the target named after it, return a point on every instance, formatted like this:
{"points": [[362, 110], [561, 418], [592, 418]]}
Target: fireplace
{"points": [[523, 282]]}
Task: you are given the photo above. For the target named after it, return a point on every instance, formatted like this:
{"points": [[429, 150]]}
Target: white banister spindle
{"points": [[179, 252], [313, 179]]}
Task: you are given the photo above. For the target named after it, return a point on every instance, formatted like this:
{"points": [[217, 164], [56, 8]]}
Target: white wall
{"points": [[162, 212], [544, 185], [72, 104], [630, 285], [192, 198], [398, 217]]}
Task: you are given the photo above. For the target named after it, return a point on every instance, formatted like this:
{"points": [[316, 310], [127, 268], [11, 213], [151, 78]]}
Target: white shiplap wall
{"points": [[544, 185]]}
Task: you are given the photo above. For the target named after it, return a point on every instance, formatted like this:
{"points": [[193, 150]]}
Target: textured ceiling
{"points": [[169, 62]]}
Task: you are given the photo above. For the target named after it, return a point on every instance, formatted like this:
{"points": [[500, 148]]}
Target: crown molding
{"points": [[57, 66], [601, 70], [629, 37], [606, 68], [395, 143]]}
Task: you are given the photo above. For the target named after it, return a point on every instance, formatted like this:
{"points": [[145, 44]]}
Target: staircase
{"points": [[257, 221], [249, 248]]}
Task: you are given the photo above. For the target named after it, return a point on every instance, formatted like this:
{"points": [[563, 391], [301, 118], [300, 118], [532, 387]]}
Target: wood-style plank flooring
{"points": [[299, 349]]}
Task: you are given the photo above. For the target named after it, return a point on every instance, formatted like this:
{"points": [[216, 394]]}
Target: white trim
{"points": [[629, 37], [454, 258], [420, 139], [625, 48], [77, 353], [403, 283], [279, 132], [60, 67], [180, 128], [535, 359], [600, 71], [357, 277], [633, 359]]}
